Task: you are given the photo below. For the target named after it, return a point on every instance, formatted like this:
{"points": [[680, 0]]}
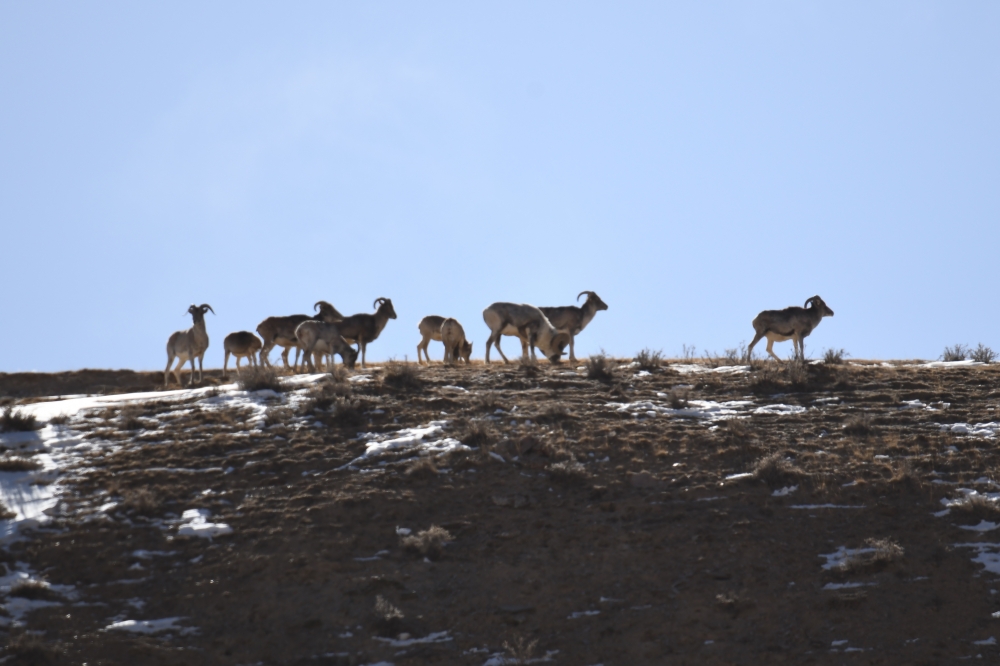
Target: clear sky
{"points": [[693, 163]]}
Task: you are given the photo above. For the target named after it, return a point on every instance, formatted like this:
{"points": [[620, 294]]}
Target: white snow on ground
{"points": [[404, 640], [987, 554], [423, 440], [827, 506], [579, 614], [32, 495], [837, 557], [969, 495], [845, 586], [983, 526], [779, 409], [988, 641], [197, 525], [950, 364], [693, 368], [984, 430], [784, 492], [17, 607], [698, 409], [151, 626], [500, 659], [741, 475]]}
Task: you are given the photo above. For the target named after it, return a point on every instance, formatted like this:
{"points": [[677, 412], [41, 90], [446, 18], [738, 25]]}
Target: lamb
{"points": [[364, 328], [792, 323], [528, 323], [318, 338], [241, 344], [188, 345], [280, 331], [430, 329], [455, 344]]}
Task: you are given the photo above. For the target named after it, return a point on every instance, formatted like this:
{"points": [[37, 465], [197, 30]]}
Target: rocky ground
{"points": [[609, 514]]}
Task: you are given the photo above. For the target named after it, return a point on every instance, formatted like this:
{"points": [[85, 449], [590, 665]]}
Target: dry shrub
{"points": [[259, 378], [478, 434], [128, 418], [402, 376], [489, 401], [5, 513], [978, 505], [554, 413], [34, 590], [17, 420], [955, 353], [18, 464], [735, 432], [520, 651], [678, 398], [429, 543], [323, 396], [983, 354], [277, 416], [388, 617], [601, 368], [886, 550], [346, 412], [528, 367], [422, 468], [59, 419], [570, 471], [29, 648], [775, 470], [860, 427], [835, 356], [140, 500], [904, 474], [337, 374], [649, 360]]}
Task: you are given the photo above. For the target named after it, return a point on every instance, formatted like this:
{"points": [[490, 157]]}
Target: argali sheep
{"points": [[455, 344], [364, 328], [189, 345], [280, 331], [573, 319], [792, 323], [529, 324], [319, 338], [241, 344], [430, 329]]}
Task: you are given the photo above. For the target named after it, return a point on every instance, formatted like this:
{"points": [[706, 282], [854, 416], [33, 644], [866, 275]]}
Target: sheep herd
{"points": [[327, 333]]}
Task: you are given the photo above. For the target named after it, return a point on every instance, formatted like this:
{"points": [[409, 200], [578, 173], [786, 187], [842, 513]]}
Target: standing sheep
{"points": [[241, 344], [188, 345], [455, 344]]}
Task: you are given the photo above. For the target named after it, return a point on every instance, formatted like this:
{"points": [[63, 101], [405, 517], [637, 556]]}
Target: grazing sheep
{"points": [[364, 328], [792, 323], [280, 331], [529, 324], [317, 338], [430, 329], [572, 319], [455, 344], [241, 344], [188, 345]]}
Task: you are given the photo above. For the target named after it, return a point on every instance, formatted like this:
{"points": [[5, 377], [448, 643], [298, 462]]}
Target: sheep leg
{"points": [[756, 339], [177, 370], [225, 365], [166, 375], [500, 351], [238, 373], [572, 354], [423, 345], [770, 350]]}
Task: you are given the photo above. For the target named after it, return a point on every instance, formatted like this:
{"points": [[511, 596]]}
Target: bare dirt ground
{"points": [[591, 522]]}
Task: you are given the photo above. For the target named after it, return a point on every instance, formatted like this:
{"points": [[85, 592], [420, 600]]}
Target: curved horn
{"points": [[206, 306], [589, 294], [379, 301], [318, 303], [810, 300]]}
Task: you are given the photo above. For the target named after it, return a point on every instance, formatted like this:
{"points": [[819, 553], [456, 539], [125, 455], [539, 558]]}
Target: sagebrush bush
{"points": [[601, 368], [955, 353], [649, 360], [983, 354], [402, 375], [835, 356], [18, 464], [429, 543]]}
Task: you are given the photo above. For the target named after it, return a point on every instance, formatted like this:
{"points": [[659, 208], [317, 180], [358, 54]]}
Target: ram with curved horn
{"points": [[792, 323], [569, 319], [189, 345], [280, 331], [364, 328]]}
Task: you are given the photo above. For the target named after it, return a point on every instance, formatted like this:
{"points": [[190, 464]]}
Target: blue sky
{"points": [[693, 163]]}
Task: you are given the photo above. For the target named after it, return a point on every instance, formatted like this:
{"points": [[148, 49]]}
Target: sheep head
{"points": [[592, 296], [818, 303], [382, 302]]}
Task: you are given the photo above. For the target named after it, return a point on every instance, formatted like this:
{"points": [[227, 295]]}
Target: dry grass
{"points": [[5, 513], [422, 468], [883, 552], [649, 360], [34, 590], [429, 543], [140, 500], [602, 368], [259, 378], [520, 650], [18, 464], [678, 398], [402, 376], [347, 412], [326, 395], [983, 354], [955, 353], [17, 420], [489, 401], [29, 648], [388, 617], [128, 418], [835, 356], [570, 471], [775, 470], [860, 427], [478, 434]]}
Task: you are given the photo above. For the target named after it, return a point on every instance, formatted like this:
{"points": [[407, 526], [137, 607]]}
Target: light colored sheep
{"points": [[280, 331], [455, 344], [529, 324], [189, 345], [319, 338]]}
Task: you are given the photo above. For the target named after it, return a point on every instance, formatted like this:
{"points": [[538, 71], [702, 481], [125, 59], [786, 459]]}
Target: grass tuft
{"points": [[430, 542], [259, 378], [649, 360], [601, 368], [568, 470], [860, 427], [774, 470], [835, 356], [402, 376], [5, 513], [140, 500], [983, 354], [35, 591], [18, 464], [678, 398], [17, 420]]}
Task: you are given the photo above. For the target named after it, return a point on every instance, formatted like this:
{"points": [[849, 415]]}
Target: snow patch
{"points": [[197, 525]]}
